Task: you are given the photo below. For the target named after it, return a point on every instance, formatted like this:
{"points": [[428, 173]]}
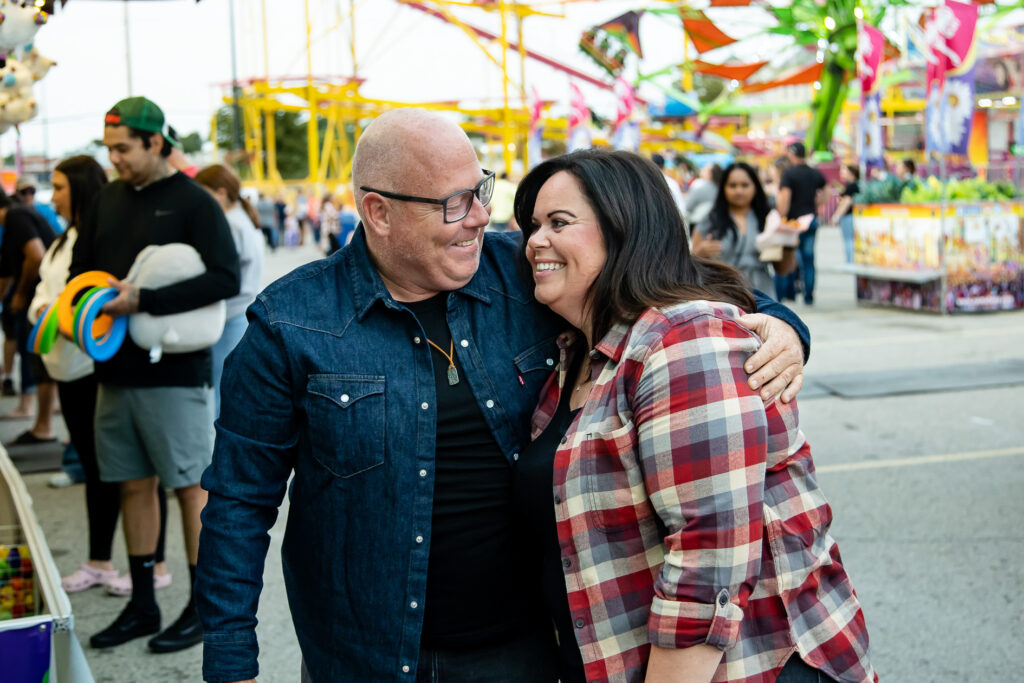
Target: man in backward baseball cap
{"points": [[142, 114], [154, 416]]}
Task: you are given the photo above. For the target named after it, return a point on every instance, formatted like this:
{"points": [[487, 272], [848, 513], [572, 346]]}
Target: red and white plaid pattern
{"points": [[688, 512]]}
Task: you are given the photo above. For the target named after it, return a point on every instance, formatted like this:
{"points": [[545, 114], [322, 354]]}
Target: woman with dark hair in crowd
{"points": [[729, 233], [76, 182], [244, 221], [690, 538]]}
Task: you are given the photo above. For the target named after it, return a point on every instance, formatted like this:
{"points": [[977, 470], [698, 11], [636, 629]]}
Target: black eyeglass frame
{"points": [[443, 201]]}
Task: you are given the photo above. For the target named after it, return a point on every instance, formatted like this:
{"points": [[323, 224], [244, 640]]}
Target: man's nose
{"points": [[477, 213]]}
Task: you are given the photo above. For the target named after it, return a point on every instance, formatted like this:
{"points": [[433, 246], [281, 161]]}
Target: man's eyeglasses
{"points": [[456, 205]]}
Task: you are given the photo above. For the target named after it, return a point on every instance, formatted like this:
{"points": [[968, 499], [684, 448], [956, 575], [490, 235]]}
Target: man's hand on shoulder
{"points": [[778, 366], [127, 301]]}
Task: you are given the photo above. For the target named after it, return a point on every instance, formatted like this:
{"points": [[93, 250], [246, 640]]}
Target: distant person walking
{"points": [[268, 220], [729, 233], [849, 175], [800, 193]]}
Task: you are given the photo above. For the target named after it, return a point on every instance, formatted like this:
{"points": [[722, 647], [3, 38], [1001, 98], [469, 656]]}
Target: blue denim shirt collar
{"points": [[368, 287]]}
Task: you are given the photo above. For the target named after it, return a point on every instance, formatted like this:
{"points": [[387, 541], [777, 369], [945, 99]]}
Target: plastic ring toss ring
{"points": [[100, 346], [65, 313]]}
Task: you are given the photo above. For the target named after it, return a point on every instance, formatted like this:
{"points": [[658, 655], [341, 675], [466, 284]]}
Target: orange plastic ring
{"points": [[65, 311]]}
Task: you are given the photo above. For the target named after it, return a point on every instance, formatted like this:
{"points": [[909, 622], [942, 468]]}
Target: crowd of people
{"points": [[292, 220], [577, 419]]}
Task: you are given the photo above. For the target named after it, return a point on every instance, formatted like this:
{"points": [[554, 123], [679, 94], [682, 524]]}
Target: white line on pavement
{"points": [[923, 460]]}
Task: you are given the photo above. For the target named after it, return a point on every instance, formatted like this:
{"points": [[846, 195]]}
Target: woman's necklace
{"points": [[453, 373]]}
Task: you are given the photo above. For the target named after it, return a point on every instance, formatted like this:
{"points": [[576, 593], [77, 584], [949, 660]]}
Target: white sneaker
{"points": [[60, 480]]}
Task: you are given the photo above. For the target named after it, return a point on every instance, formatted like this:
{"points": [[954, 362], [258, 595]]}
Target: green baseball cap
{"points": [[143, 114]]}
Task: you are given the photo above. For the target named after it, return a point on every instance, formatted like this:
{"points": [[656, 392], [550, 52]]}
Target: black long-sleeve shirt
{"points": [[121, 223]]}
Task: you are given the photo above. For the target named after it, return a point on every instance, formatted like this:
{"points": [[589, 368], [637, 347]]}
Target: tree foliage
{"points": [[290, 142]]}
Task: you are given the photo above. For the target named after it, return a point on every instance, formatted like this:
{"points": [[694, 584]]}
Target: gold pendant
{"points": [[453, 376]]}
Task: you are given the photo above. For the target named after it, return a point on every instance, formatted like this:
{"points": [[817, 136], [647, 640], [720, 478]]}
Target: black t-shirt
{"points": [[535, 506], [121, 223], [850, 190], [803, 183], [22, 225], [476, 592]]}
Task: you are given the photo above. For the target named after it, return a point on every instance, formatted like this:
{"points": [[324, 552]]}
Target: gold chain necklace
{"points": [[453, 373]]}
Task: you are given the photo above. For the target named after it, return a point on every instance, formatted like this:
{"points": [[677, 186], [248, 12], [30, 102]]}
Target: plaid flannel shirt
{"points": [[688, 512]]}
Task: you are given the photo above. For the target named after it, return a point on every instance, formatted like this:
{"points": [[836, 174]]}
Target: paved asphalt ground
{"points": [[925, 487]]}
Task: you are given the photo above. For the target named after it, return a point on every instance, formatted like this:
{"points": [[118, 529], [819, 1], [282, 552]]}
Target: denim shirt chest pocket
{"points": [[346, 424], [538, 361]]}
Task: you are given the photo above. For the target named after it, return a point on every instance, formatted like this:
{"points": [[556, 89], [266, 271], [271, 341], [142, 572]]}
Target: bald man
{"points": [[394, 381]]}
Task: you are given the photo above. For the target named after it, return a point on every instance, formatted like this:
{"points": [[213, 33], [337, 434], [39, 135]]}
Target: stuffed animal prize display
{"points": [[21, 65]]}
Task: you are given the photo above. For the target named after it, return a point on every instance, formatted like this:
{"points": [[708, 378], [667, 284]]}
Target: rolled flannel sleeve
{"points": [[252, 460], [702, 436]]}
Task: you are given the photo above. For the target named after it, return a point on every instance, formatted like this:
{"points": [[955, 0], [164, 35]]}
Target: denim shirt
{"points": [[334, 381]]}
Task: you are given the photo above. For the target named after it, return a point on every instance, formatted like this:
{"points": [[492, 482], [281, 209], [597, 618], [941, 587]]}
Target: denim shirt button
{"points": [[425, 405], [419, 539], [414, 604], [405, 669], [416, 340], [423, 473], [490, 403], [515, 457], [550, 361], [344, 398], [463, 343]]}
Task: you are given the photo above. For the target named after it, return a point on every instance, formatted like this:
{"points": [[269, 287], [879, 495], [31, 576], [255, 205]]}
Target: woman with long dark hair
{"points": [[76, 182], [730, 231], [690, 537]]}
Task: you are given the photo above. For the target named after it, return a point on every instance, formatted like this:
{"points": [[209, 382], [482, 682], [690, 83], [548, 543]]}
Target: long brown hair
{"points": [[85, 180], [220, 177], [649, 262]]}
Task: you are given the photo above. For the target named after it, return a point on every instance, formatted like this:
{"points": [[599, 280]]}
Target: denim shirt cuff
{"points": [[230, 656]]}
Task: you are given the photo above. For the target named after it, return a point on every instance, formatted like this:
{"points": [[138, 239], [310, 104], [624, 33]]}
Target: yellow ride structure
{"points": [[339, 110]]}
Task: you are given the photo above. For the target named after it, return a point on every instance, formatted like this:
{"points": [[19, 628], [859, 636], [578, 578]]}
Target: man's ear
{"points": [[156, 142], [377, 216]]}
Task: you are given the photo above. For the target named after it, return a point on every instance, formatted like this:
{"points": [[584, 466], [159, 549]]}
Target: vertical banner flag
{"points": [[626, 135], [870, 49], [579, 120], [1019, 135], [536, 137], [951, 58]]}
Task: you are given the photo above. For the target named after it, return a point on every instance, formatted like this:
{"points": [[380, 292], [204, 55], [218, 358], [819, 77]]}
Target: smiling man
{"points": [[154, 420], [395, 380]]}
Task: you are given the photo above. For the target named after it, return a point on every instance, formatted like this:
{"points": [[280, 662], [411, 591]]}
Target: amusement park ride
{"points": [[818, 57], [340, 105]]}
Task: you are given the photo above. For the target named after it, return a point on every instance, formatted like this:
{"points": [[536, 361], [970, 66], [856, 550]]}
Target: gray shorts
{"points": [[147, 431]]}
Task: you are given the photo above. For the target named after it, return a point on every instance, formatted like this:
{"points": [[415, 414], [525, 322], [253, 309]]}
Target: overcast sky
{"points": [[180, 50]]}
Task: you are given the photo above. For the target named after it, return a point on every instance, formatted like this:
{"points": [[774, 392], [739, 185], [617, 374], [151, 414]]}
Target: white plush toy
{"points": [[37, 64], [159, 266], [16, 79], [19, 25], [18, 110]]}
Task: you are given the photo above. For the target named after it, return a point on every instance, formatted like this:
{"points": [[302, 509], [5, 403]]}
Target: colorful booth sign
{"points": [[966, 257]]}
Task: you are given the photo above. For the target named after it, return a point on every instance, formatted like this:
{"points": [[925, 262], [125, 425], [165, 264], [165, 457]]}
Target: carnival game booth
{"points": [[953, 258], [37, 638]]}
